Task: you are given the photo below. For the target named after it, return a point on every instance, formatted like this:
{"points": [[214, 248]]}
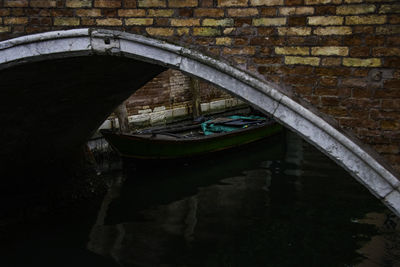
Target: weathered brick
{"points": [[185, 12], [297, 21], [322, 41], [354, 82], [325, 10], [302, 89], [360, 62], [160, 12], [353, 1], [129, 3], [16, 3], [359, 52], [393, 29], [269, 21], [328, 81], [152, 3], [390, 125], [385, 51], [322, 2], [287, 11], [182, 3], [242, 12], [161, 22], [131, 12], [392, 84], [268, 61], [109, 22], [333, 30], [390, 8], [392, 62], [392, 149], [182, 31], [331, 61], [302, 31], [361, 72], [160, 31], [298, 70], [266, 2], [15, 21], [107, 3], [208, 12], [371, 19], [78, 3], [34, 12], [41, 21], [374, 40], [335, 111], [5, 29], [330, 51], [391, 103], [394, 19], [291, 60], [325, 20], [304, 51], [359, 92], [66, 21], [85, 21], [138, 21], [88, 12], [352, 40], [185, 22], [42, 3], [268, 11], [223, 41], [109, 12], [330, 100], [265, 31], [294, 2], [17, 12], [333, 72], [232, 2], [218, 22], [239, 41], [248, 50], [4, 12], [300, 80], [355, 9], [206, 31]]}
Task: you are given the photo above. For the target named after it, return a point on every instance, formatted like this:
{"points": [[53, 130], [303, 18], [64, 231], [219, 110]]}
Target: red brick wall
{"points": [[342, 56]]}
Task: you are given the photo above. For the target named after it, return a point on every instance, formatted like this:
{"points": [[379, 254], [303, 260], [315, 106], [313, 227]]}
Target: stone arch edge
{"points": [[80, 42]]}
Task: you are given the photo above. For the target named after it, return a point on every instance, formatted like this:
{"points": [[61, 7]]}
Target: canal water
{"points": [[279, 202]]}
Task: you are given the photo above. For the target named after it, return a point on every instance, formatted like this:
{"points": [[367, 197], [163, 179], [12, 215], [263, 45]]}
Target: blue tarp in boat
{"points": [[229, 124]]}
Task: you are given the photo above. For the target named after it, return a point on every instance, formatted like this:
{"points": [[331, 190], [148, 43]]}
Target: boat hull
{"points": [[163, 147]]}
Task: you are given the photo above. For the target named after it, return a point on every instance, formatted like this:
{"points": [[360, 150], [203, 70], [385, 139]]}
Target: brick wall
{"points": [[170, 89], [342, 56]]}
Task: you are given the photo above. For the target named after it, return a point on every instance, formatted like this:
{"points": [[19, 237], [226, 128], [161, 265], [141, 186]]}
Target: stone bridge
{"points": [[327, 69]]}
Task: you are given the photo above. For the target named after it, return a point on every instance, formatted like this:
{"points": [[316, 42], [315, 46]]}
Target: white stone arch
{"points": [[378, 179]]}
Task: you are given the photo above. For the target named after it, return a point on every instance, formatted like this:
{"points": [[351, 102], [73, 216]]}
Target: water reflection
{"points": [[279, 203]]}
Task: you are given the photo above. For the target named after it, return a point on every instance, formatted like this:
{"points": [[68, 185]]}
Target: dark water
{"points": [[276, 203]]}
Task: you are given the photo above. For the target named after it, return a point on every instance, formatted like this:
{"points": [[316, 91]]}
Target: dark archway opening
{"points": [[49, 109]]}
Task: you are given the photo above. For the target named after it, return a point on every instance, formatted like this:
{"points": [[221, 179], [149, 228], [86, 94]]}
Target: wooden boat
{"points": [[189, 140]]}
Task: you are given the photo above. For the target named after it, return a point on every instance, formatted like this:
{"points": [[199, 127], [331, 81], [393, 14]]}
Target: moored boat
{"points": [[192, 140]]}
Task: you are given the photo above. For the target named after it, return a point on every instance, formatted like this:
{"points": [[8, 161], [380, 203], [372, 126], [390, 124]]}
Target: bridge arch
{"points": [[341, 148]]}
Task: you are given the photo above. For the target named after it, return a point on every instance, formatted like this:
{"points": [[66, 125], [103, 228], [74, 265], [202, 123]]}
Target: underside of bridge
{"points": [[49, 109]]}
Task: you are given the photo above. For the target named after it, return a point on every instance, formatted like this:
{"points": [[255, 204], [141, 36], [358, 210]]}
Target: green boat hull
{"points": [[157, 147]]}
